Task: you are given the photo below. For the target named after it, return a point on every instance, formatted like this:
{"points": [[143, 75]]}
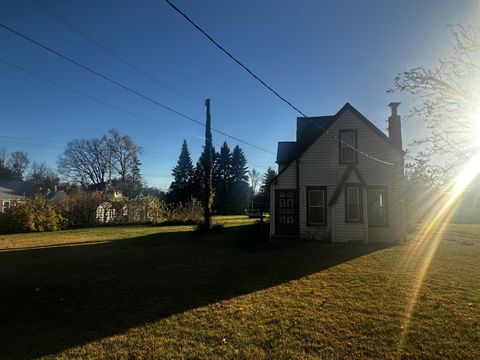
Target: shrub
{"points": [[143, 209], [214, 228], [190, 213], [79, 207], [36, 214]]}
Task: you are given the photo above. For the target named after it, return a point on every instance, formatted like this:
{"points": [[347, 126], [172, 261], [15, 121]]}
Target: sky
{"points": [[317, 54]]}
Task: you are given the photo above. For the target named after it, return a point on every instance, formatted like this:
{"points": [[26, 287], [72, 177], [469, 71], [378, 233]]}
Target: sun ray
{"points": [[428, 236]]}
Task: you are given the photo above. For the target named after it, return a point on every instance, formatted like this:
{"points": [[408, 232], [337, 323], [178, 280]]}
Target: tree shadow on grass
{"points": [[55, 298]]}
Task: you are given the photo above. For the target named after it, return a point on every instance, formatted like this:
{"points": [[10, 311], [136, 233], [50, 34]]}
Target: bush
{"points": [[89, 208], [190, 213], [36, 214], [214, 228], [143, 209], [79, 207]]}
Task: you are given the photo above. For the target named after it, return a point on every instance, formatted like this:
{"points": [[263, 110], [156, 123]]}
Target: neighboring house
{"points": [[329, 187], [13, 190], [106, 213]]}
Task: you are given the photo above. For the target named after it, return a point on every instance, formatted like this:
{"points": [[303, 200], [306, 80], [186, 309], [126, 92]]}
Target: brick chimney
{"points": [[394, 127]]}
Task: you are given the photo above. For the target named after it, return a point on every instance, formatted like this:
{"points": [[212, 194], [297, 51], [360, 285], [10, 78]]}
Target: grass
{"points": [[163, 292]]}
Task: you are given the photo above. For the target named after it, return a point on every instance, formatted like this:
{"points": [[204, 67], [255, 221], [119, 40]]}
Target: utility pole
{"points": [[208, 169]]}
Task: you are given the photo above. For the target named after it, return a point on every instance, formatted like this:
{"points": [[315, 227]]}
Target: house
{"points": [[106, 211], [341, 180], [13, 190]]}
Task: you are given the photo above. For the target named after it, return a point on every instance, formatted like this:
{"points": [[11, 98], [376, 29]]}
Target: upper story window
{"points": [[348, 144]]}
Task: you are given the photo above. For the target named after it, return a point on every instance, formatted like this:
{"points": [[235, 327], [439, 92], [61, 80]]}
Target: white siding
{"points": [[319, 166], [288, 178]]}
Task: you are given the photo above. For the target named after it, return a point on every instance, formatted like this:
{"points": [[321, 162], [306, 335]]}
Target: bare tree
{"points": [[113, 157], [448, 103], [123, 153], [255, 178], [18, 162], [42, 177], [85, 162]]}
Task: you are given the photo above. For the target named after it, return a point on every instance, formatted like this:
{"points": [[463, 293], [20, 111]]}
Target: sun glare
{"points": [[466, 176], [427, 238]]}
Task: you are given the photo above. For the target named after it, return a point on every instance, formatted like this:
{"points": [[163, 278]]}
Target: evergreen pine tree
{"points": [[239, 189], [181, 187], [222, 178], [199, 173], [263, 199]]}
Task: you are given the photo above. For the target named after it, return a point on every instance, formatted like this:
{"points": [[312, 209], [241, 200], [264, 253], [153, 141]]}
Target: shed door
{"points": [[286, 212]]}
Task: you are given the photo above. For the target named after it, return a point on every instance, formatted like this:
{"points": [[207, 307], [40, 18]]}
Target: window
{"points": [[316, 205], [6, 206], [348, 144], [377, 207], [353, 204]]}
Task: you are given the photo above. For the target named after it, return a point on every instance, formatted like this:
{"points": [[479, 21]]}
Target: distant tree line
{"points": [[109, 163], [234, 186]]}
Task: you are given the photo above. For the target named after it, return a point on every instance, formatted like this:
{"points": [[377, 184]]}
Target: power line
{"points": [[87, 96], [56, 83], [272, 90], [135, 92], [63, 18]]}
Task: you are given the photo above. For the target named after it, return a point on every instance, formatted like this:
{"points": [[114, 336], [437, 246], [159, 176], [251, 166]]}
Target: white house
{"points": [[13, 190], [341, 180]]}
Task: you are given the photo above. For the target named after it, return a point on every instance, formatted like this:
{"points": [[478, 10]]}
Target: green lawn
{"points": [[164, 292]]}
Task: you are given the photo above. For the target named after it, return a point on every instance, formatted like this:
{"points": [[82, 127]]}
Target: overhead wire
{"points": [[125, 87], [66, 20], [270, 88]]}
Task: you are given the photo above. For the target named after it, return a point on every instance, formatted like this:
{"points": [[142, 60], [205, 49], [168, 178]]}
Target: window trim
{"points": [[360, 203], [9, 204], [387, 204], [324, 189], [355, 140]]}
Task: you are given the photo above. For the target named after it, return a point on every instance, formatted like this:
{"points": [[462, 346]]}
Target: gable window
{"points": [[353, 204], [377, 206], [348, 144], [316, 205]]}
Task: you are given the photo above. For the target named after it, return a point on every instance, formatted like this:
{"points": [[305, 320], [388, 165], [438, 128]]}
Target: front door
{"points": [[286, 212]]}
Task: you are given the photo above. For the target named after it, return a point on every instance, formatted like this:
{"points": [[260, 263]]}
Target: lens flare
{"points": [[427, 238], [465, 178]]}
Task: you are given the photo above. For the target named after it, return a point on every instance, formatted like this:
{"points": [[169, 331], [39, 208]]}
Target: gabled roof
{"points": [[309, 129], [10, 189]]}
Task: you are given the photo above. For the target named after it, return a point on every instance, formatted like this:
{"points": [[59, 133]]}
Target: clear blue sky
{"points": [[318, 54]]}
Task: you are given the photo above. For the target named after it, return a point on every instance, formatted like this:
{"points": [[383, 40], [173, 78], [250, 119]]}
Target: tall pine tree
{"points": [[239, 190], [181, 189], [263, 198], [222, 178]]}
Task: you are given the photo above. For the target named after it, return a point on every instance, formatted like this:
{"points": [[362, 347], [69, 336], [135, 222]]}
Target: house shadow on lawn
{"points": [[55, 298]]}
